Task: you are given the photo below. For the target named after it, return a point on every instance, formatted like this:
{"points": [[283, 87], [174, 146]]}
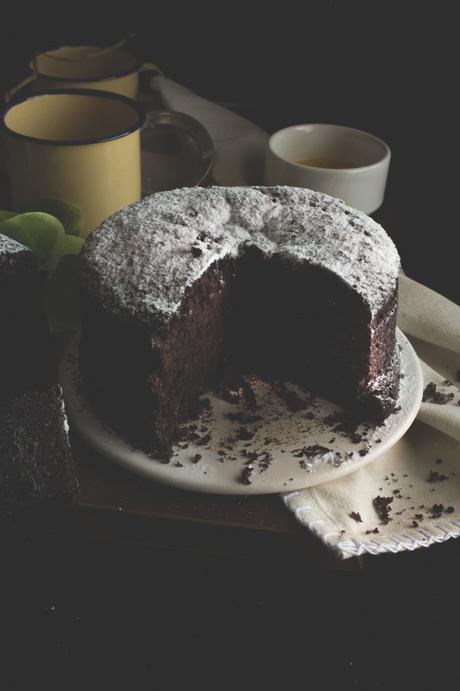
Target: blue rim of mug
{"points": [[137, 125], [115, 75]]}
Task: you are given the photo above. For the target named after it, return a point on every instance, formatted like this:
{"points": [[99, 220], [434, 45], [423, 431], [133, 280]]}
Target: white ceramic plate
{"points": [[280, 450]]}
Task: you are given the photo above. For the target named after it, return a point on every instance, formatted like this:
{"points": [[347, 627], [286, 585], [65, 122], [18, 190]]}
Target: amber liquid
{"points": [[317, 162]]}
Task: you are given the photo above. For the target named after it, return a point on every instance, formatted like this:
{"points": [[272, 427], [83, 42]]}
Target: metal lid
{"points": [[177, 151]]}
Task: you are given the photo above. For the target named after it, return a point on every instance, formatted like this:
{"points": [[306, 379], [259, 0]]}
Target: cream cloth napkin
{"points": [[421, 473]]}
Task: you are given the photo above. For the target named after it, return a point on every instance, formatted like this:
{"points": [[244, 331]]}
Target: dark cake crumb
{"points": [[434, 476], [432, 395], [244, 434], [196, 251], [355, 516], [313, 451], [429, 391], [202, 441], [374, 531], [236, 389], [250, 455], [196, 458], [383, 508], [436, 510], [246, 475]]}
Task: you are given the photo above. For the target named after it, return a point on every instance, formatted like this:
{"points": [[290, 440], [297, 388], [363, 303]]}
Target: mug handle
{"points": [[153, 69], [11, 93], [150, 71]]}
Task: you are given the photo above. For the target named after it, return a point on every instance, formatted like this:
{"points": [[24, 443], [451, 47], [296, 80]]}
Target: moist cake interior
{"points": [[255, 314]]}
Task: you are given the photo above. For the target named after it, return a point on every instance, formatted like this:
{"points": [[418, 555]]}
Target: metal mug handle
{"points": [[11, 93]]}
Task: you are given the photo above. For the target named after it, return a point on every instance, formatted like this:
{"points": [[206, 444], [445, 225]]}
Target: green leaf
{"points": [[61, 297], [7, 214], [69, 244], [69, 214], [66, 245], [39, 231]]}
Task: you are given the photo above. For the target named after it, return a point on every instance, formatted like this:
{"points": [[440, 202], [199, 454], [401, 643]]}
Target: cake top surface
{"points": [[142, 259]]}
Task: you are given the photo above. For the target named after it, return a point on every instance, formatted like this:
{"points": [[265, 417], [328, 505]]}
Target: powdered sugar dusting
{"points": [[143, 258], [9, 246]]}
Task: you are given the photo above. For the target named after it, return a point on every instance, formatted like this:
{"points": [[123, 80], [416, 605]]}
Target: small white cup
{"points": [[362, 163]]}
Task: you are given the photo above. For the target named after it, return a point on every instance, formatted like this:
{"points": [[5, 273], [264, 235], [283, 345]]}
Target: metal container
{"points": [[177, 151]]}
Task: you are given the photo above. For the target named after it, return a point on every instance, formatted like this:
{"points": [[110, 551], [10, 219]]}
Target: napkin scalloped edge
{"points": [[409, 541]]}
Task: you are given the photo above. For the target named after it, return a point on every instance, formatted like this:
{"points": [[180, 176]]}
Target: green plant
{"points": [[53, 237]]}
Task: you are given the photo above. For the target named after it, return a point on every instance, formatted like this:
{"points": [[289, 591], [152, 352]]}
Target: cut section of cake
{"points": [[36, 462], [24, 336], [284, 282]]}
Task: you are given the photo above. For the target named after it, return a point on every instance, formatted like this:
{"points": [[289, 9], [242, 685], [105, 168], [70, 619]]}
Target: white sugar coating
{"points": [[143, 258], [65, 421], [9, 246]]}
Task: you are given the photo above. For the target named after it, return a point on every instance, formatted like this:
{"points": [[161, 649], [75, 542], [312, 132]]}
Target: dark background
{"points": [[85, 614]]}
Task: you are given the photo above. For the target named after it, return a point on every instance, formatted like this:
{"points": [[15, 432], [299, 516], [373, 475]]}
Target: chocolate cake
{"points": [[285, 282], [24, 341], [35, 459]]}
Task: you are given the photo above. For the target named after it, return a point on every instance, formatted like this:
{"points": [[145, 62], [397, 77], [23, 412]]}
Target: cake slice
{"points": [[36, 462], [24, 336]]}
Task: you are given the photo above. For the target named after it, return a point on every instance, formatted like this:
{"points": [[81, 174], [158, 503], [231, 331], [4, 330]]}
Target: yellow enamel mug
{"points": [[87, 67], [77, 146], [112, 68]]}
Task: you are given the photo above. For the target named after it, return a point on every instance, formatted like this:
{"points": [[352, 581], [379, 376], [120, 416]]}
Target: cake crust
{"points": [[141, 260], [285, 282]]}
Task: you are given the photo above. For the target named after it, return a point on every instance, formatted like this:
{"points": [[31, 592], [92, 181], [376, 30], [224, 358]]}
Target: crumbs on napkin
{"points": [[434, 476], [383, 508], [432, 395]]}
